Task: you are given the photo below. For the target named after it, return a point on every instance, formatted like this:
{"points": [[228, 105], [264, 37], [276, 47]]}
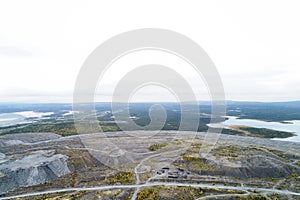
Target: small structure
{"points": [[173, 173]]}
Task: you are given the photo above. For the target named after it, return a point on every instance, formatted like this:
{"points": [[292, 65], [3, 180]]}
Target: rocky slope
{"points": [[36, 168]]}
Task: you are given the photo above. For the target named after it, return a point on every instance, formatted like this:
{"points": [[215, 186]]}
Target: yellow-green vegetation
{"points": [[196, 163], [57, 196], [196, 145], [178, 141], [195, 148], [106, 194], [227, 151], [274, 180], [278, 153], [107, 128], [155, 147], [76, 195], [180, 165], [109, 193], [149, 194], [170, 192], [298, 163], [191, 158], [291, 182], [253, 197], [294, 174], [144, 176], [122, 177], [78, 159]]}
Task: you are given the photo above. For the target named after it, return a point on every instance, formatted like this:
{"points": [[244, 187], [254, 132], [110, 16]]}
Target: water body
{"points": [[10, 119], [289, 126]]}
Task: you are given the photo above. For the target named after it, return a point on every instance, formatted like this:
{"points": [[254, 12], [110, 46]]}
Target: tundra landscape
{"points": [[149, 100], [165, 164]]}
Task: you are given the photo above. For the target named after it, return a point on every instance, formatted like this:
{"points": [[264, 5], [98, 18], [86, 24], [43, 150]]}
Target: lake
{"points": [[10, 119], [290, 126]]}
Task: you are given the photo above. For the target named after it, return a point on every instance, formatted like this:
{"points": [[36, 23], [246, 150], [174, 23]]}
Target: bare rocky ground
{"points": [[44, 161]]}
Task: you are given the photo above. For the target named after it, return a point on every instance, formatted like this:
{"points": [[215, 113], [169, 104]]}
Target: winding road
{"points": [[151, 184]]}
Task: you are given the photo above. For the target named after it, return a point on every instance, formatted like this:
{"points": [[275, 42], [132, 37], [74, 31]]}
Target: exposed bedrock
{"points": [[254, 167], [33, 169]]}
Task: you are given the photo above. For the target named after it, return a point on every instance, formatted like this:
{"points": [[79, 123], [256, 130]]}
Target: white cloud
{"points": [[255, 44]]}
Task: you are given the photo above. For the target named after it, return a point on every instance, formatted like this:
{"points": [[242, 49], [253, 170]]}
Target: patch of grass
{"points": [[273, 151], [170, 192], [196, 163], [195, 148], [294, 174], [180, 165], [254, 197], [155, 147], [77, 195], [122, 177], [274, 180], [149, 194], [227, 151], [196, 145]]}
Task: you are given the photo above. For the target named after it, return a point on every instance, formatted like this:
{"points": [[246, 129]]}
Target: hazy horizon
{"points": [[255, 50], [199, 101]]}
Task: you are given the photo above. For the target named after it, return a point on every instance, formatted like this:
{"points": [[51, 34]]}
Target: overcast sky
{"points": [[255, 45]]}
